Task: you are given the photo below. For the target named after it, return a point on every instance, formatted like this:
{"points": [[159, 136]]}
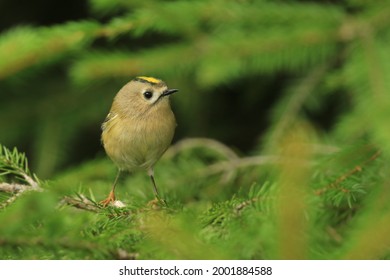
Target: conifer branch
{"points": [[207, 143], [240, 207], [358, 168], [81, 203], [14, 165], [21, 48], [233, 165]]}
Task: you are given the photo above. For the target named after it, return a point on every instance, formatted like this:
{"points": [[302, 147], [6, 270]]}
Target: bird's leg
{"points": [[155, 190], [111, 196], [151, 174]]}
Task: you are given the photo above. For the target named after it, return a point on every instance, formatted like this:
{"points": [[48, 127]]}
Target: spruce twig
{"points": [[15, 164], [238, 209], [81, 203], [349, 173]]}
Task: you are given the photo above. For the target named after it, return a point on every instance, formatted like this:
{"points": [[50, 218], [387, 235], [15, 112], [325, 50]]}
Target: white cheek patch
{"points": [[153, 99], [156, 96]]}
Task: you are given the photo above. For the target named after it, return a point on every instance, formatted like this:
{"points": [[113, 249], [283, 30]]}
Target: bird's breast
{"points": [[137, 143]]}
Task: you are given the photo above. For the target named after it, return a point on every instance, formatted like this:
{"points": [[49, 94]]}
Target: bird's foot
{"points": [[109, 200]]}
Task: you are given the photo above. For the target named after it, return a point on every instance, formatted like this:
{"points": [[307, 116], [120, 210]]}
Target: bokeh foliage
{"points": [[310, 183]]}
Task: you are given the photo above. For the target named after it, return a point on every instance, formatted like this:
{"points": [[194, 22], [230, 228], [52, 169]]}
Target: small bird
{"points": [[139, 128]]}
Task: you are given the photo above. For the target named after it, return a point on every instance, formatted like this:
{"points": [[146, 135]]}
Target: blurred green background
{"points": [[62, 63]]}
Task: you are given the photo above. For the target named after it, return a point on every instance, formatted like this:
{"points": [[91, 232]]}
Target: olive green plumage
{"points": [[139, 127]]}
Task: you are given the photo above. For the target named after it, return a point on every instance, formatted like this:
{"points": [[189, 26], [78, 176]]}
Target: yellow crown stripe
{"points": [[150, 79]]}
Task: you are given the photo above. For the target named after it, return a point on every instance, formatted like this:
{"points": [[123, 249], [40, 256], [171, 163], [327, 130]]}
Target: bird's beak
{"points": [[169, 92]]}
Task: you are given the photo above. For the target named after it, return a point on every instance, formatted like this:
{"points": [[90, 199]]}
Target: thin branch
{"points": [[233, 165], [33, 183], [10, 200], [84, 203], [15, 163], [81, 203], [245, 204], [13, 188], [16, 190], [226, 166], [192, 143], [343, 177]]}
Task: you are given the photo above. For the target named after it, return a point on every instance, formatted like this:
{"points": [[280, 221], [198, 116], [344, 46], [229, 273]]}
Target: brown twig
{"points": [[191, 143], [244, 204], [17, 190], [13, 188], [81, 203], [348, 174]]}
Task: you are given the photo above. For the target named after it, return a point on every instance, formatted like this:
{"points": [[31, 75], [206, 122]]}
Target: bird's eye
{"points": [[148, 94]]}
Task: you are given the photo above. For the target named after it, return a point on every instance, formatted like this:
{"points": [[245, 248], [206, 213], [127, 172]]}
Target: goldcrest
{"points": [[139, 128]]}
